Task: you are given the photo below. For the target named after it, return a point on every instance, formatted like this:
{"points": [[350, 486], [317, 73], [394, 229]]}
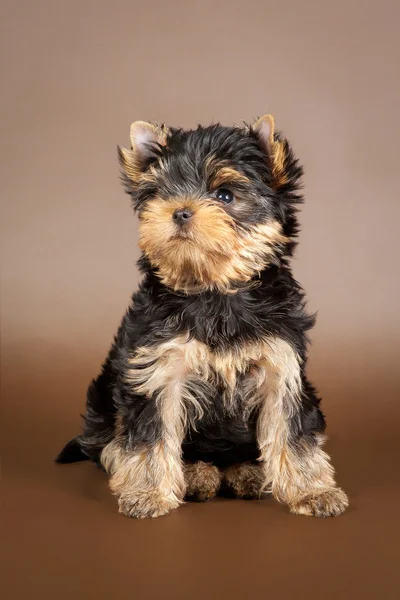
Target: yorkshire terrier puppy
{"points": [[205, 386]]}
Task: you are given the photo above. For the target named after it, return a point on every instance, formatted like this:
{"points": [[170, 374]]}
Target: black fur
{"points": [[275, 306], [72, 452]]}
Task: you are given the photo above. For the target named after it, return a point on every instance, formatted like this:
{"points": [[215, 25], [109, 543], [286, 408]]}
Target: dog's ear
{"points": [[146, 139], [265, 130], [285, 171]]}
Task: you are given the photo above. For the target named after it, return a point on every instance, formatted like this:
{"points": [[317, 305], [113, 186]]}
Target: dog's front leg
{"points": [[297, 470], [149, 480], [144, 459]]}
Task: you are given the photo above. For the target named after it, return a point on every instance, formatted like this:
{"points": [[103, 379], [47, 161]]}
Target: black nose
{"points": [[182, 215]]}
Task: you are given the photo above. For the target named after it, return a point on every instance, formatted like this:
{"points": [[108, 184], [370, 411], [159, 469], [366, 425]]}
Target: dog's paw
{"points": [[146, 506], [202, 481], [326, 503], [244, 481]]}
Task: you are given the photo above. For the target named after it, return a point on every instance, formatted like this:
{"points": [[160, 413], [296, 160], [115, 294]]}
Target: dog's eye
{"points": [[224, 195]]}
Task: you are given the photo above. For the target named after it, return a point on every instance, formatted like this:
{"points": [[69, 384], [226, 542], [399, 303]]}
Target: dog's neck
{"points": [[220, 319]]}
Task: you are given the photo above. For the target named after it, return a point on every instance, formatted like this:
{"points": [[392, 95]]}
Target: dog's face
{"points": [[214, 204]]}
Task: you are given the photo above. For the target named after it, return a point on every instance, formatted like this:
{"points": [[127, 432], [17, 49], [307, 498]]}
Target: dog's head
{"points": [[215, 204]]}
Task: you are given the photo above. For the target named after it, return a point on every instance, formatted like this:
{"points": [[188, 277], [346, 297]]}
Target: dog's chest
{"points": [[191, 365]]}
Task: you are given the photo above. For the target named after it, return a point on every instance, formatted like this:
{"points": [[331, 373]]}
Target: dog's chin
{"points": [[183, 233], [185, 245], [186, 265]]}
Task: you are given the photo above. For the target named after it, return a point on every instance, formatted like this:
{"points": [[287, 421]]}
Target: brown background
{"points": [[75, 74]]}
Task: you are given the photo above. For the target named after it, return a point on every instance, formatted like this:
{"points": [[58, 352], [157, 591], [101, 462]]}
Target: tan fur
{"points": [[148, 483], [172, 371], [227, 175], [278, 167], [326, 503], [193, 362], [130, 164], [211, 253], [276, 150], [202, 480], [245, 480], [132, 160], [156, 473], [293, 474]]}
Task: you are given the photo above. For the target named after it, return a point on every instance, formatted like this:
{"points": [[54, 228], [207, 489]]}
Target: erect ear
{"points": [[145, 139], [276, 148], [265, 130]]}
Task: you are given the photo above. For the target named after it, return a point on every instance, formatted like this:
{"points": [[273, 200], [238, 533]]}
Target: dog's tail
{"points": [[72, 452]]}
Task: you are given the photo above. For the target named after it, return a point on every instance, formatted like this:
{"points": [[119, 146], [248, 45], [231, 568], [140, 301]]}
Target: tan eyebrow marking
{"points": [[227, 175]]}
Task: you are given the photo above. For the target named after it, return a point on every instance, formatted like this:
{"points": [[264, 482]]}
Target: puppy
{"points": [[205, 387]]}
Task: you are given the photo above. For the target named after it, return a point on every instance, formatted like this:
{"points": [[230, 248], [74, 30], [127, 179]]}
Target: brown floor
{"points": [[64, 537]]}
